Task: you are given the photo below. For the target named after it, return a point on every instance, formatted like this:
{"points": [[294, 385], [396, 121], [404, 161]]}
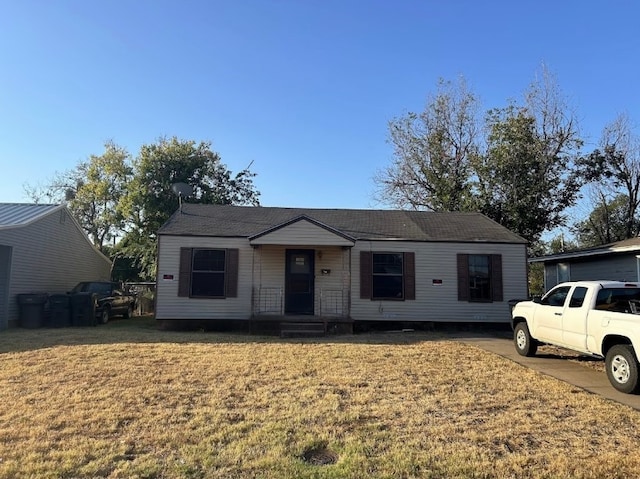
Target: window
{"points": [[618, 299], [577, 298], [208, 273], [556, 297], [387, 276], [479, 277]]}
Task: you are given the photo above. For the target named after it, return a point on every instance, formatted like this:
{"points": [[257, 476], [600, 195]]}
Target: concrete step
{"points": [[302, 330]]}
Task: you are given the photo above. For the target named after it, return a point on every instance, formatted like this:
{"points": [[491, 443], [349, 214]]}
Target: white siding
{"points": [[50, 255], [264, 267], [170, 306], [438, 261], [259, 268], [302, 233]]}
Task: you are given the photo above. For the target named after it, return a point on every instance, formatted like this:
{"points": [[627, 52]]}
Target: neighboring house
{"points": [[615, 261], [42, 249], [242, 266]]}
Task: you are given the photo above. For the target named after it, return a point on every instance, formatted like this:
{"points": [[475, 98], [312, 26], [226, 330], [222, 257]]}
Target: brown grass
{"points": [[124, 401]]}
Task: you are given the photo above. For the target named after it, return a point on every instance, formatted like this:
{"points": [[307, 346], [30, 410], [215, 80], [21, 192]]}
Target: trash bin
{"points": [[83, 309], [60, 309], [31, 307]]}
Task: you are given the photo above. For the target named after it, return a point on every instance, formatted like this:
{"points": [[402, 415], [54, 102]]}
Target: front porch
{"points": [[301, 279], [270, 314], [329, 303]]}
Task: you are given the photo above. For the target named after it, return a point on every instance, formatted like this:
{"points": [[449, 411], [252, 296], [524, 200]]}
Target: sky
{"points": [[302, 90]]}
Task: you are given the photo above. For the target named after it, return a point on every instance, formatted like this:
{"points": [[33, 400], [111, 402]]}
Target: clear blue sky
{"points": [[303, 88]]}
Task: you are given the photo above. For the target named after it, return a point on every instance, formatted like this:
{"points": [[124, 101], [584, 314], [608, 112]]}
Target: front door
{"points": [[299, 275]]}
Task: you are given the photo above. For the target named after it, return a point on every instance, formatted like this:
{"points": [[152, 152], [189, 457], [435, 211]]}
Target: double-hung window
{"points": [[388, 276], [480, 277], [208, 273]]}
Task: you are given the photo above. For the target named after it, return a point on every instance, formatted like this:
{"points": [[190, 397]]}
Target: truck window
{"points": [[622, 300], [556, 297], [577, 298]]}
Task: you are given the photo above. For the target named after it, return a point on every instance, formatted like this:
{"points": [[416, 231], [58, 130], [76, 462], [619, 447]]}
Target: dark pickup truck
{"points": [[111, 297]]}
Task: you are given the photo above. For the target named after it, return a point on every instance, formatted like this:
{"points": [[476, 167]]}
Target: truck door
{"points": [[574, 320], [548, 315]]}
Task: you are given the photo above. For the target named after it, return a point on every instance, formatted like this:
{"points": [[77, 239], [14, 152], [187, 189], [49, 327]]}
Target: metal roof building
{"points": [[42, 250]]}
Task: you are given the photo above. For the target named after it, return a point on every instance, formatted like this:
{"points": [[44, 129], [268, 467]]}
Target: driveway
{"points": [[571, 372]]}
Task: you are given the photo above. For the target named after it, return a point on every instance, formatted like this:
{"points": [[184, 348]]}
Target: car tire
{"points": [[524, 343], [104, 315], [622, 368], [128, 313]]}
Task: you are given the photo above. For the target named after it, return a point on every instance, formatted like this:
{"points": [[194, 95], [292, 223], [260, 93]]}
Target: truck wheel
{"points": [[622, 368], [525, 344], [104, 315]]}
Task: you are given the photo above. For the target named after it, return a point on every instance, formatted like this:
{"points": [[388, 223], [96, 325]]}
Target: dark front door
{"points": [[298, 294]]}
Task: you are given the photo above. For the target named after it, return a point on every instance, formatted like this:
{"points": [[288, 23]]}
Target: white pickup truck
{"points": [[599, 318]]}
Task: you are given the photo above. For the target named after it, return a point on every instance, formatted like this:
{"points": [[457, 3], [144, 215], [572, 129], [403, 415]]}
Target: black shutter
{"points": [[231, 274], [409, 275], [496, 277], [463, 277], [184, 276], [365, 275]]}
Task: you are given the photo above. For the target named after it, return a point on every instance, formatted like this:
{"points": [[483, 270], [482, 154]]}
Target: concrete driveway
{"points": [[573, 373]]}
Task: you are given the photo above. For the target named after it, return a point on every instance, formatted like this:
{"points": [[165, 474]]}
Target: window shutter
{"points": [[231, 274], [365, 275], [496, 277], [410, 275], [463, 277], [184, 276]]}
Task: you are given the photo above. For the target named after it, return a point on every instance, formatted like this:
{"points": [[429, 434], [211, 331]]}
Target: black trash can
{"points": [[83, 309], [31, 307], [60, 309]]}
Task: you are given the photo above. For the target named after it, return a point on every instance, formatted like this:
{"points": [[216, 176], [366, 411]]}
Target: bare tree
{"points": [[432, 152], [615, 167]]}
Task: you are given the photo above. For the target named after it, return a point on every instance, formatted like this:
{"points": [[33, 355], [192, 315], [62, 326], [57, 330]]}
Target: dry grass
{"points": [[125, 401]]}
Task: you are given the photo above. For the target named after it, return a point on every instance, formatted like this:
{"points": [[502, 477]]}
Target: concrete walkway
{"points": [[585, 378]]}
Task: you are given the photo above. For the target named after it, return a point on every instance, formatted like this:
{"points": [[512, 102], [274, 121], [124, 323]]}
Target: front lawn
{"points": [[124, 400]]}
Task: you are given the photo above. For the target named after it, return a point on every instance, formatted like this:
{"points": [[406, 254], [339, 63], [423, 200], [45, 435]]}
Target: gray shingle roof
{"points": [[246, 221], [19, 214]]}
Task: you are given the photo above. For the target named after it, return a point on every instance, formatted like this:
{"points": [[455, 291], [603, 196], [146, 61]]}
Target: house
{"points": [[234, 266], [42, 249], [619, 261]]}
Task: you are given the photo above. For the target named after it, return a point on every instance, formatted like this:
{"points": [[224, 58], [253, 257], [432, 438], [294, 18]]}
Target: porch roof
{"points": [[302, 231], [251, 222]]}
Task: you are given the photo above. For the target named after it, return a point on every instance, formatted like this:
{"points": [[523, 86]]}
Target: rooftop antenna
{"points": [[183, 190]]}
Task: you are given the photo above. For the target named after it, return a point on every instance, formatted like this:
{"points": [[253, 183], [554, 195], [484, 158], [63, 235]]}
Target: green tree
{"points": [[432, 152], [523, 182], [150, 200], [93, 191]]}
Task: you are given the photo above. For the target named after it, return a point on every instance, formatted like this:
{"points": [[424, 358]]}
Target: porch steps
{"points": [[302, 330]]}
